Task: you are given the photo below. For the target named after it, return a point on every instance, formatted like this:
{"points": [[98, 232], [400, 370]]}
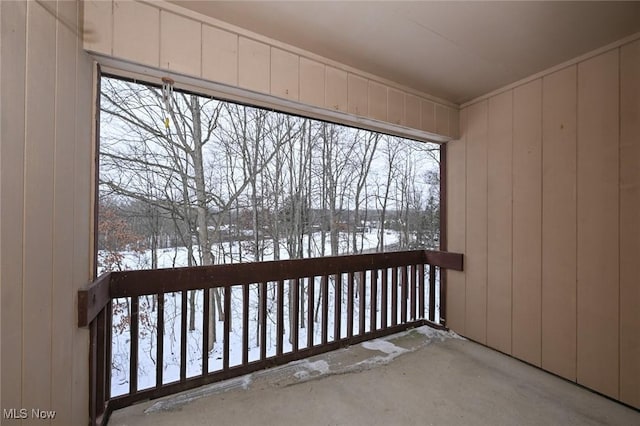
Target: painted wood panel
{"points": [[62, 316], [357, 95], [312, 82], [598, 259], [377, 101], [133, 41], [82, 272], [219, 55], [38, 204], [12, 80], [284, 74], [98, 26], [499, 226], [454, 123], [253, 65], [476, 223], [559, 223], [412, 111], [395, 107], [336, 89], [180, 44], [428, 116], [456, 228], [630, 224], [442, 120], [527, 221]]}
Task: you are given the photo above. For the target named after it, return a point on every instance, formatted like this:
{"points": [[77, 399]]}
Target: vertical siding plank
{"points": [[476, 223], [284, 74], [412, 113], [454, 123], [180, 44], [253, 65], [83, 226], [38, 204], [456, 226], [98, 26], [428, 116], [559, 223], [630, 224], [598, 259], [395, 107], [63, 321], [312, 82], [357, 96], [131, 40], [527, 221], [12, 81], [499, 216], [219, 55], [442, 120], [336, 89], [377, 101]]}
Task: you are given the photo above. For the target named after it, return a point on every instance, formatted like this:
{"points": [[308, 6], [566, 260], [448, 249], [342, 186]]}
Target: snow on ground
{"points": [[237, 251]]}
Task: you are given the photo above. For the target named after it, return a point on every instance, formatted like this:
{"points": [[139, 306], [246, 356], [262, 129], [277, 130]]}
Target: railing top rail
{"points": [[145, 282], [444, 259], [139, 283], [92, 299]]}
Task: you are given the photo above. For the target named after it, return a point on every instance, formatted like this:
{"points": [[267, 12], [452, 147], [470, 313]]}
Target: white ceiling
{"points": [[454, 50]]}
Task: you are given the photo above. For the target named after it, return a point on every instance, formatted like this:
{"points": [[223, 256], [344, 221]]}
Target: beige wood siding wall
{"points": [[45, 209], [184, 43], [544, 200]]}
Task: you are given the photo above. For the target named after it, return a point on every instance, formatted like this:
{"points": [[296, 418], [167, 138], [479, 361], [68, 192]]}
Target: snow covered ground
{"points": [[239, 251]]}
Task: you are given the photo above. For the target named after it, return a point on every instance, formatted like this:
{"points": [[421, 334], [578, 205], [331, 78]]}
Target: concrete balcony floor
{"points": [[420, 377]]}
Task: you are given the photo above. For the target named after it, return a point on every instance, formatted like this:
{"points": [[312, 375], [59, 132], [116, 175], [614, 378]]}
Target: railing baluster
{"points": [[107, 343], [101, 361], [183, 337], [133, 362], [421, 290], [94, 347], [227, 327], [374, 301], [245, 323], [432, 293], [206, 306], [294, 309], [280, 320], [403, 294], [363, 301], [383, 298], [413, 292], [350, 305], [160, 341], [310, 303], [325, 308], [263, 320], [394, 296], [443, 296], [337, 311]]}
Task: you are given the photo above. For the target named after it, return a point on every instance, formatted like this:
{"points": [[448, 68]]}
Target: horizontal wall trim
{"points": [[615, 45], [126, 69], [187, 13]]}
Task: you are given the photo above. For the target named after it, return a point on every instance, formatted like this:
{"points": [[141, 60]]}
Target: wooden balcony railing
{"points": [[270, 313]]}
